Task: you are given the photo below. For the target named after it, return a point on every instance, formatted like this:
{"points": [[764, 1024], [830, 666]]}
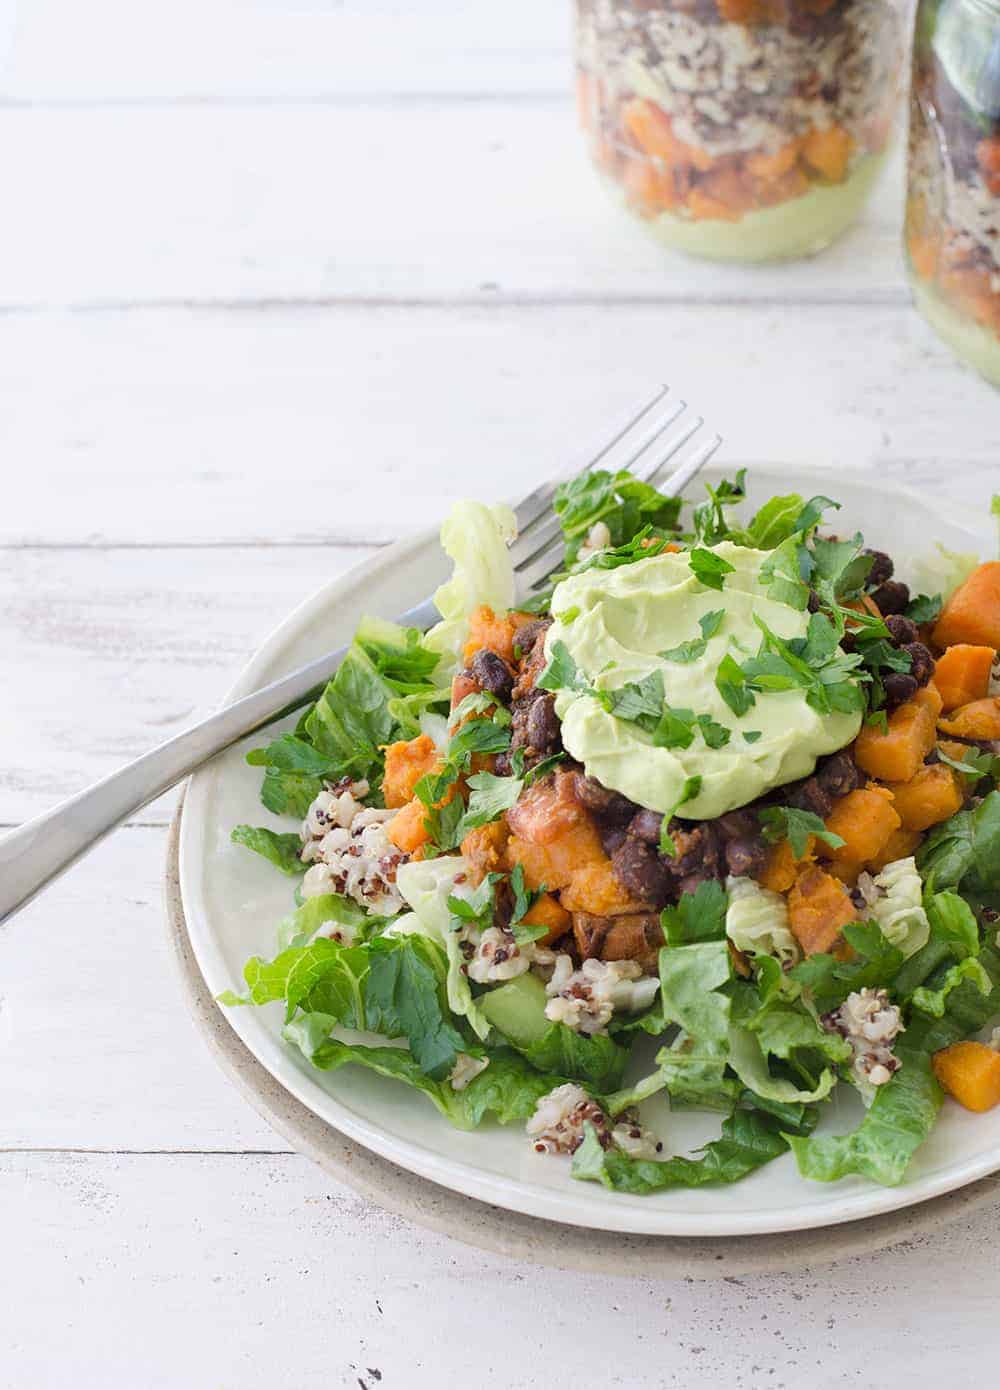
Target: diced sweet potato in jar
{"points": [[962, 674], [972, 614], [828, 152], [819, 907], [934, 794], [894, 755], [772, 166], [405, 763], [970, 1071], [864, 820], [647, 189], [978, 720]]}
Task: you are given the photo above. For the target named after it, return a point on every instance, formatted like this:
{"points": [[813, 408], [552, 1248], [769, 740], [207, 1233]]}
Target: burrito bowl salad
{"points": [[714, 818]]}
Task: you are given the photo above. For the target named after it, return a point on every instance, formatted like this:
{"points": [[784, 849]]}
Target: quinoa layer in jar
{"points": [[740, 129], [953, 189]]}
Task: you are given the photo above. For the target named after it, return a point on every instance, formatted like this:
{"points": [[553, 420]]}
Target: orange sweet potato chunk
{"points": [[828, 151], [819, 907], [896, 754], [405, 763], [547, 912], [773, 166], [485, 850], [900, 845], [972, 614], [487, 629], [934, 794], [979, 720], [970, 1071], [546, 811], [962, 674], [595, 889], [406, 829], [864, 820], [782, 868], [555, 863]]}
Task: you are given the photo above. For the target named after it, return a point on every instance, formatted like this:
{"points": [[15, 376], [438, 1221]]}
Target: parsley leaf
{"points": [[709, 519], [709, 569], [674, 728], [715, 735], [489, 797], [874, 965], [795, 826], [692, 787], [635, 701], [686, 652], [562, 672], [924, 608], [711, 622], [752, 735], [624, 503], [731, 684], [699, 916]]}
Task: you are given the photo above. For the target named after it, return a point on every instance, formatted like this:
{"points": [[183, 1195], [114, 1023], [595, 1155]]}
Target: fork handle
{"points": [[40, 850]]}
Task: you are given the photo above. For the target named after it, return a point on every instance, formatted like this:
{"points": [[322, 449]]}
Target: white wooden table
{"points": [[278, 278]]}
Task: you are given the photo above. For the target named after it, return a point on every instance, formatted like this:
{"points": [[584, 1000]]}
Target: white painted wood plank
{"points": [[213, 50], [256, 1272], [359, 424], [483, 201], [98, 1048], [107, 653]]}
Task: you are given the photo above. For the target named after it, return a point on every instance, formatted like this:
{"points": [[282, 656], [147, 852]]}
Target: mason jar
{"points": [[953, 182], [745, 130]]}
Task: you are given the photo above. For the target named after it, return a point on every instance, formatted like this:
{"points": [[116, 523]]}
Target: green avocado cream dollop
{"points": [[616, 623]]}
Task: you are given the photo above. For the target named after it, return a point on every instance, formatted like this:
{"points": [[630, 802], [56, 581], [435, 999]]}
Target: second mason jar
{"points": [[740, 129], [953, 190]]}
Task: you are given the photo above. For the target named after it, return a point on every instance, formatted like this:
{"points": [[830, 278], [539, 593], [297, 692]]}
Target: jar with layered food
{"points": [[743, 130], [953, 193]]}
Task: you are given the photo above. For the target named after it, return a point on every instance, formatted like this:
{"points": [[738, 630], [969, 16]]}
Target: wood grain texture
{"points": [[252, 1271], [357, 424], [492, 201], [109, 652]]}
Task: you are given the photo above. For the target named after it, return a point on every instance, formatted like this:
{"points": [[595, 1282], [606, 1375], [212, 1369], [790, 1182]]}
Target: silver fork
{"points": [[37, 852]]}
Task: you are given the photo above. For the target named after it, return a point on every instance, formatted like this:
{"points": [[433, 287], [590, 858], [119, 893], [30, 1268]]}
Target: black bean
{"points": [[881, 570], [812, 602], [544, 736], [493, 674], [900, 686], [646, 825], [736, 824], [922, 668], [746, 856], [891, 597], [697, 851], [838, 774], [810, 795], [902, 629], [612, 837], [601, 800], [641, 871]]}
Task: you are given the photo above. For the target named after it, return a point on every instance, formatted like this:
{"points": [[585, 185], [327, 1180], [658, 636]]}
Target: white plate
{"points": [[233, 899]]}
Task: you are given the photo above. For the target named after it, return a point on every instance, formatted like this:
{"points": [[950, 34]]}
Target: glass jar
{"points": [[953, 184], [745, 130]]}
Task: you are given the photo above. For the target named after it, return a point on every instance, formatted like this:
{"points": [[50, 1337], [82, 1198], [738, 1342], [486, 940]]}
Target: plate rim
{"points": [[549, 1204]]}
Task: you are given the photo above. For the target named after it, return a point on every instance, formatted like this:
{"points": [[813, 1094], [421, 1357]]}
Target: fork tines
{"points": [[655, 436]]}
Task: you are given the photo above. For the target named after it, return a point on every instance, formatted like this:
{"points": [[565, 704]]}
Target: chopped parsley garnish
{"points": [[561, 672], [731, 684], [699, 916], [924, 608], [692, 787], [715, 735], [752, 735], [709, 569], [686, 652], [711, 622], [674, 728], [795, 826], [709, 519], [636, 700]]}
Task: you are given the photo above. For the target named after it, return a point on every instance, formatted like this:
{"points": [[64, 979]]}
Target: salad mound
{"points": [[715, 818]]}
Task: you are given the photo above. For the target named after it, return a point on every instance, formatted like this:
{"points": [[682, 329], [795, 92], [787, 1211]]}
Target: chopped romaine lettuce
{"points": [[475, 537]]}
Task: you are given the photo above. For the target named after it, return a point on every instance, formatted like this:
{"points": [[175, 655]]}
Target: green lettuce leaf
{"points": [[294, 774], [281, 850], [596, 1060], [403, 999], [300, 926], [475, 537], [427, 885], [749, 1139], [508, 1090], [829, 980]]}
